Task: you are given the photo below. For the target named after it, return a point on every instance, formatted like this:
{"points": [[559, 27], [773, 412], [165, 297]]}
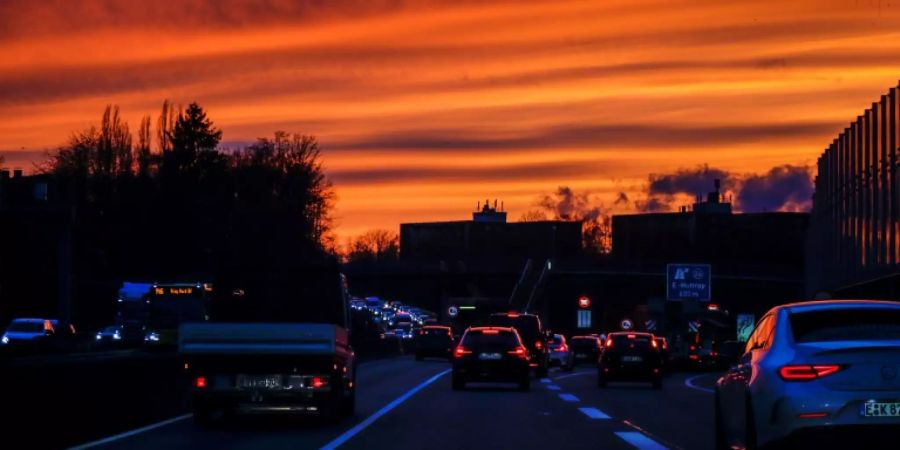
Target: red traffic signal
{"points": [[584, 302]]}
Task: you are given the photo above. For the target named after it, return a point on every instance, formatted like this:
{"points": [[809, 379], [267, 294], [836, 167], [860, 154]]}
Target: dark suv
{"points": [[630, 357], [491, 354], [435, 341], [532, 333]]}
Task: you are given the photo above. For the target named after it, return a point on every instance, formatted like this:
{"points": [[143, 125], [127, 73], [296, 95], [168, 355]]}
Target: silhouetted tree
{"points": [[144, 156], [533, 216], [193, 135], [565, 204], [164, 126], [374, 246]]}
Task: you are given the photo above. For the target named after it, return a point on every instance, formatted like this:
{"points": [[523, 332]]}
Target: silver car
{"points": [[560, 353], [816, 372]]}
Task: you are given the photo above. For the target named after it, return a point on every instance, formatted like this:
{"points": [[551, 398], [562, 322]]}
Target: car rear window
{"points": [[861, 324], [638, 342], [26, 327], [527, 326], [477, 338]]}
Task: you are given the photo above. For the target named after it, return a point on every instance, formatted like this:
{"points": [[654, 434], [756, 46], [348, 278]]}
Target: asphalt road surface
{"points": [[403, 404]]}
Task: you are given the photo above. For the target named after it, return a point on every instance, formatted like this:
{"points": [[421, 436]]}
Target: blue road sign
{"points": [[688, 282]]}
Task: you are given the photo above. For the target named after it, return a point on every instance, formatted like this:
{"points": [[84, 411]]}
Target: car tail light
{"points": [[807, 372], [319, 382], [609, 343], [632, 336], [563, 348], [200, 382], [520, 351], [490, 331], [461, 351], [538, 345], [654, 344]]}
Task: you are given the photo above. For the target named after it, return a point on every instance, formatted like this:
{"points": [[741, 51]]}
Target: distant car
{"points": [[28, 331], [110, 335], [403, 330], [585, 349], [560, 354], [491, 354], [399, 319], [822, 374], [630, 356], [532, 333], [434, 341]]}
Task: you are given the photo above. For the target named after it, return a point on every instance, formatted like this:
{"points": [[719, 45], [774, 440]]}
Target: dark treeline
{"points": [[186, 210]]}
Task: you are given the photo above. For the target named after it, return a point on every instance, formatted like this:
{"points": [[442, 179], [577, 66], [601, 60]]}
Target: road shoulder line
{"points": [[358, 428], [128, 434]]}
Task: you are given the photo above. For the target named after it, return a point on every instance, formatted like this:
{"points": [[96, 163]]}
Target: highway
{"points": [[407, 404]]}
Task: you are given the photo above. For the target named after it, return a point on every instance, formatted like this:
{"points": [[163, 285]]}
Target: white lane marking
{"points": [[337, 442], [639, 441], [569, 397], [689, 382], [545, 380], [576, 374], [552, 387], [128, 434], [594, 413]]}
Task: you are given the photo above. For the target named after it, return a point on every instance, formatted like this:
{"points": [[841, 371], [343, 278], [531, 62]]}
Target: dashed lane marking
{"points": [[594, 413], [576, 374], [569, 398], [552, 387], [639, 440], [545, 380]]}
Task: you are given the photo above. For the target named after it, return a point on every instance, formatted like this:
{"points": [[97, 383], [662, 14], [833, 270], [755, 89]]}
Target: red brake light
{"points": [[461, 351], [806, 372], [319, 382], [200, 382], [632, 336], [520, 351], [563, 348], [513, 314], [653, 343], [609, 343], [538, 345], [490, 331]]}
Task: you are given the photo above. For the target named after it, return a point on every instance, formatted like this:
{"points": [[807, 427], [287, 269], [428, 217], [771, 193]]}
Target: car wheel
{"points": [[750, 428], [458, 382], [349, 407], [718, 427], [203, 416], [525, 384]]}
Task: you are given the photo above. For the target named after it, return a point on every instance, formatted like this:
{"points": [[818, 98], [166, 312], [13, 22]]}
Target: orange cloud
{"points": [[424, 107]]}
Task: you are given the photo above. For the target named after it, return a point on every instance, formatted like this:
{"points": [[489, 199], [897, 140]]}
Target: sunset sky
{"points": [[425, 107]]}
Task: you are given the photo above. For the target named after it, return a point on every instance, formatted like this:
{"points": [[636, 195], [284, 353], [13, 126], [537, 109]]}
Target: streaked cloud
{"points": [[426, 106]]}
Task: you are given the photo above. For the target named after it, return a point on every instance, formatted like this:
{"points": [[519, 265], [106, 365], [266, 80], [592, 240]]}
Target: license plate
{"points": [[489, 356], [632, 359], [880, 410], [259, 381]]}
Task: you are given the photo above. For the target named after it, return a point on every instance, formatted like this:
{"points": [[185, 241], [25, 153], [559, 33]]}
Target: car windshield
{"points": [[583, 342], [26, 327], [843, 324], [478, 338]]}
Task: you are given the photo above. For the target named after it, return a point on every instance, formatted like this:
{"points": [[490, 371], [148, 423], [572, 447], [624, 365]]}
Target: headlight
{"points": [[154, 337], [99, 336], [4, 339], [117, 336]]}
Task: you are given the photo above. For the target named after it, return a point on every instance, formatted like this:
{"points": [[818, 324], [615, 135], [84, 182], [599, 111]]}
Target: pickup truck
{"points": [[297, 362]]}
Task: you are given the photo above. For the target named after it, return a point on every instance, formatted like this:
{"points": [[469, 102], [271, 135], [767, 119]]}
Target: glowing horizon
{"points": [[425, 108]]}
